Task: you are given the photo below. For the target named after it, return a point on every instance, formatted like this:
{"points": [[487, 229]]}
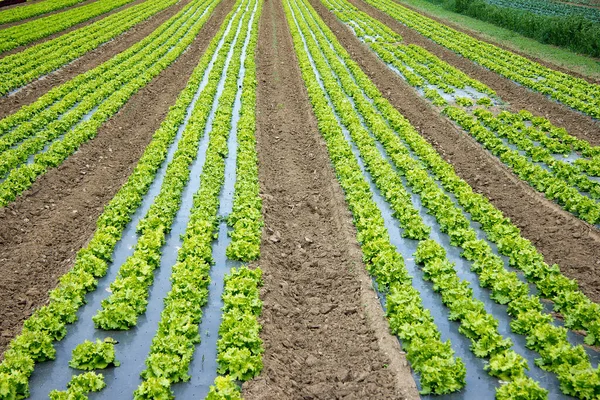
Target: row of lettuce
{"points": [[479, 326], [500, 230], [561, 182], [35, 61], [22, 34], [32, 10], [567, 89], [569, 184], [440, 371], [53, 127], [35, 343], [173, 345], [359, 104], [239, 348], [418, 67]]}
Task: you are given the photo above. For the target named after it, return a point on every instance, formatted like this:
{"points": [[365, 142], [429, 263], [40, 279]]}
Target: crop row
{"points": [[556, 140], [240, 349], [32, 10], [479, 326], [574, 369], [566, 178], [23, 67], [555, 184], [141, 64], [246, 217], [130, 289], [499, 229], [173, 345], [549, 8], [524, 139], [48, 323], [432, 359], [34, 117], [28, 32], [574, 92], [417, 66]]}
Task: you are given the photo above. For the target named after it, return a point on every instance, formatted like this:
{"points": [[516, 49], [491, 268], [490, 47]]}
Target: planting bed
{"points": [[276, 199]]}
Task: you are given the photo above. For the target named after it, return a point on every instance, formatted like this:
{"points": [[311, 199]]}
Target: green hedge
{"points": [[573, 32]]}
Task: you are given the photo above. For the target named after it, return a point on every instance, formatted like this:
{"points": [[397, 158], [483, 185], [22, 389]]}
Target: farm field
{"points": [[285, 199]]}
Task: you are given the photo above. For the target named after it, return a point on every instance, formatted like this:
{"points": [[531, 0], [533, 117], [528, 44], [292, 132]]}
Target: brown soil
{"points": [[560, 237], [518, 97], [43, 229], [9, 24], [324, 331], [31, 92], [72, 28]]}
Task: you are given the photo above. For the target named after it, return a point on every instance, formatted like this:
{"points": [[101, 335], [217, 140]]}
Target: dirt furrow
{"points": [[561, 237], [519, 97], [43, 229], [90, 60], [324, 331]]}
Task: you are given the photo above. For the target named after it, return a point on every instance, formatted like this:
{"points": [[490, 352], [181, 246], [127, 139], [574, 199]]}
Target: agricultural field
{"points": [[291, 199], [550, 8]]}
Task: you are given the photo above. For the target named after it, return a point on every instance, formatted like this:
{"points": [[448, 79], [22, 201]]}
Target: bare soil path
{"points": [[561, 237], [324, 331], [43, 229]]}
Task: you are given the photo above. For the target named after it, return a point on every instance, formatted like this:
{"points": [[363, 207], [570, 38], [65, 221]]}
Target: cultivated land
{"points": [[275, 199]]}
